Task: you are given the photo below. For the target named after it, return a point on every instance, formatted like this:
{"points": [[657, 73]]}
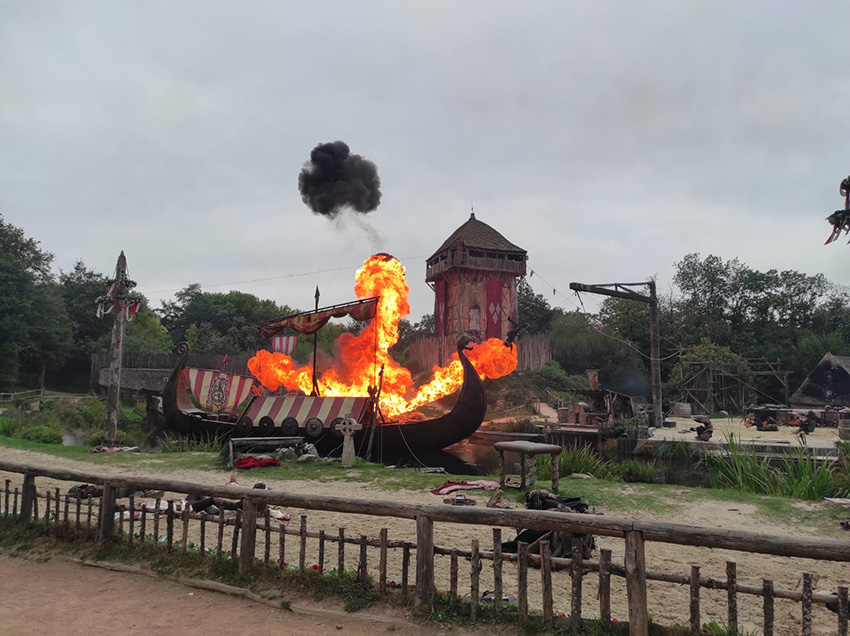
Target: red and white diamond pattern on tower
{"points": [[494, 309], [284, 344]]}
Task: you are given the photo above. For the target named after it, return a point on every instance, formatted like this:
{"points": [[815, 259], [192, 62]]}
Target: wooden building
{"points": [[474, 276]]}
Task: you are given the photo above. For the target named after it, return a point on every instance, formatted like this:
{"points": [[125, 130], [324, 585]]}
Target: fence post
{"points": [[636, 584], [249, 536], [27, 497], [424, 599], [107, 513]]}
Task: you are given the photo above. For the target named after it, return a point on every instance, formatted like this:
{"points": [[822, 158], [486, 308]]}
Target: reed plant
{"points": [[171, 443], [801, 474], [575, 459], [634, 472]]}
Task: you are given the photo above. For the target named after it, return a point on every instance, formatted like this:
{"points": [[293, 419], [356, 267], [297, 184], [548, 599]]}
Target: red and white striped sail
{"points": [[302, 408], [284, 344], [216, 391]]}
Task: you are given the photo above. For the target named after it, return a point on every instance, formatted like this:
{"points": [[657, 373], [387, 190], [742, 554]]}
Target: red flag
{"points": [[224, 364]]}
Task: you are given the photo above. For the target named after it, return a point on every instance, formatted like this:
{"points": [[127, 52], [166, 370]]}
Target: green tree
{"points": [[225, 322], [34, 332], [535, 314]]}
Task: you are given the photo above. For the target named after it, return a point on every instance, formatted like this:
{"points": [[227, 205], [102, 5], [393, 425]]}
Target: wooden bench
{"points": [[259, 442], [532, 449]]}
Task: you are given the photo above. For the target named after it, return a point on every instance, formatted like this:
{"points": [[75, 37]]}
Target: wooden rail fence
{"points": [[250, 534]]}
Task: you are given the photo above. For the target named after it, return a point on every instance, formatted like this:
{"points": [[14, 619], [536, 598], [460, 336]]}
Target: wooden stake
{"points": [[234, 546], [807, 604], [65, 508], [219, 546], [340, 562], [605, 587], [532, 473], [281, 549], [424, 599], [184, 538], [695, 620], [79, 503], [382, 564], [169, 525], [843, 611], [249, 536], [6, 497], [143, 525], [120, 518], [576, 581], [88, 511], [132, 518], [203, 546], [503, 470], [474, 589], [767, 591], [522, 579], [546, 583], [47, 512], [453, 578], [405, 570], [321, 562], [156, 513], [362, 566], [27, 492], [106, 513], [635, 565], [554, 468], [302, 555], [497, 571], [732, 596], [267, 526]]}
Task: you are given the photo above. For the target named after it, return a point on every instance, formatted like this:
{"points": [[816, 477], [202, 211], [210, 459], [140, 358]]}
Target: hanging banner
{"points": [[440, 306], [494, 309]]}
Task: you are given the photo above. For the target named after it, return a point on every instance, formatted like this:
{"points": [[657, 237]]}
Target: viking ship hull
{"points": [[298, 415]]}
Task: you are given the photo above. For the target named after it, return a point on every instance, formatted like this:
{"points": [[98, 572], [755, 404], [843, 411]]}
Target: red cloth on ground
{"points": [[255, 462]]}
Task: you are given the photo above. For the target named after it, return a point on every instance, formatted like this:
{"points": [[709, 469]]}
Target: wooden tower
{"points": [[474, 277]]}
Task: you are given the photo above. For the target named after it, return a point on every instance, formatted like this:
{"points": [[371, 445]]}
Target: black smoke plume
{"points": [[335, 178]]}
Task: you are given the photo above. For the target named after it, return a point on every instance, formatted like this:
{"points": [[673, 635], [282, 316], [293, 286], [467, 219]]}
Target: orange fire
{"points": [[358, 359]]}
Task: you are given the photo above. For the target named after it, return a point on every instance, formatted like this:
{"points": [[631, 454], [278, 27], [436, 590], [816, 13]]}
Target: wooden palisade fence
{"points": [[251, 537]]}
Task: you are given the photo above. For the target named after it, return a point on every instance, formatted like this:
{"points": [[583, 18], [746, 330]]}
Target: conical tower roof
{"points": [[477, 234]]}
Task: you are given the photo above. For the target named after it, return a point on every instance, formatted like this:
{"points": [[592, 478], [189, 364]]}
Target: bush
{"points": [[122, 438], [43, 435], [8, 427]]}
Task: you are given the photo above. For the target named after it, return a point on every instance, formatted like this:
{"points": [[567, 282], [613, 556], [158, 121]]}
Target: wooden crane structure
{"points": [[626, 291]]}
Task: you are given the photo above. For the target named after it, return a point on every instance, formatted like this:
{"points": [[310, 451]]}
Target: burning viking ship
{"points": [[365, 383]]}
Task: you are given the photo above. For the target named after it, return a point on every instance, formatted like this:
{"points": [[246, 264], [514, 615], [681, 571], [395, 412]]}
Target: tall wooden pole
{"points": [[655, 357], [116, 299], [315, 392]]}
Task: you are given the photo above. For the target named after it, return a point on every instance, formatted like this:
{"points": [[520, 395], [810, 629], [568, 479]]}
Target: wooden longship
{"points": [[205, 402]]}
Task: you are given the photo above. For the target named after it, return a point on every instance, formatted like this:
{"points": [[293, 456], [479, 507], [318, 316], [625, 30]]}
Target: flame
{"points": [[358, 359]]}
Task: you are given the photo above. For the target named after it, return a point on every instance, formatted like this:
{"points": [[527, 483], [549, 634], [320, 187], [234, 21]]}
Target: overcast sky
{"points": [[607, 139]]}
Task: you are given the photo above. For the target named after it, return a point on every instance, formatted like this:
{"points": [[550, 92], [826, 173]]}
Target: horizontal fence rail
{"points": [[252, 536]]}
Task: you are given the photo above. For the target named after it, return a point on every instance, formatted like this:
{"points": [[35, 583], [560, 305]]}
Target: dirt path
{"points": [[62, 597]]}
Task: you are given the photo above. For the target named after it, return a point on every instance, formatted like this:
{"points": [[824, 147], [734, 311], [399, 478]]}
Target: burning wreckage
{"points": [[365, 383]]}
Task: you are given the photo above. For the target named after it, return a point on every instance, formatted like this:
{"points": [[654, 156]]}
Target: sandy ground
{"points": [[823, 437], [669, 603]]}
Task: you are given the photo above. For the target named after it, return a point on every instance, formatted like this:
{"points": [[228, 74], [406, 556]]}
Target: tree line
{"points": [[716, 310]]}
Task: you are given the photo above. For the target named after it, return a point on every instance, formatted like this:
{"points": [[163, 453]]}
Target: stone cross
{"points": [[348, 427]]}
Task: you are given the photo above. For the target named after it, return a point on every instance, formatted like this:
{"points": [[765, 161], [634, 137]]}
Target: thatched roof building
{"points": [[827, 385]]}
